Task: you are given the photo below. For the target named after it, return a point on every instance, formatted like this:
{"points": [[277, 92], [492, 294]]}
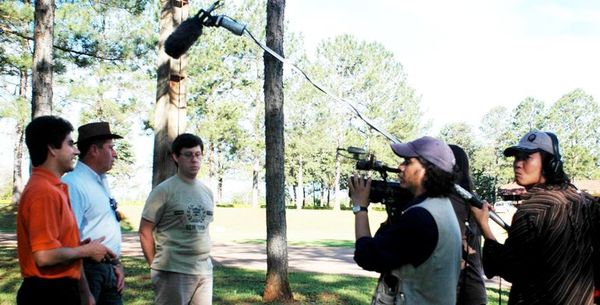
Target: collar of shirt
{"points": [[46, 174], [85, 169], [415, 201]]}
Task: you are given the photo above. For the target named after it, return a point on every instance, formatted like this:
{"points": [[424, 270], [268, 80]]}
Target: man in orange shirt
{"points": [[49, 248]]}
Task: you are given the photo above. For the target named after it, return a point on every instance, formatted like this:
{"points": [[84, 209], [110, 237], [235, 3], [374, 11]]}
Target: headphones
{"points": [[555, 163]]}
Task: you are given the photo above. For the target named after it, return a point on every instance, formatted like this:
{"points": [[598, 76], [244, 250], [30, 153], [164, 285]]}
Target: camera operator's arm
{"points": [[359, 195], [482, 216]]}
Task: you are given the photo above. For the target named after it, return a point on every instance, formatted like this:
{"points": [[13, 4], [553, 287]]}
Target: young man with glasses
{"points": [[174, 230], [95, 209]]}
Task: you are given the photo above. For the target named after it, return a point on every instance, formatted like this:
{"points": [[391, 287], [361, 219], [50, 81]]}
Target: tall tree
{"points": [[113, 85], [15, 61], [527, 116], [575, 118], [43, 62], [368, 75], [226, 96], [171, 104], [489, 166], [277, 286], [460, 134]]}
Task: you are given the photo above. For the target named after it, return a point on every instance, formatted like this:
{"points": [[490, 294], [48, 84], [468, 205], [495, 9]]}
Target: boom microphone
{"points": [[183, 37], [230, 24], [476, 202], [186, 34]]}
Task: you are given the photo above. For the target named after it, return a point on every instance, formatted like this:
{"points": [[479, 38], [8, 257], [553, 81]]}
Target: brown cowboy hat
{"points": [[95, 131]]}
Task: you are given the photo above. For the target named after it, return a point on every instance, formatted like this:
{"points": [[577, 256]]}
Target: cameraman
{"points": [[419, 254]]}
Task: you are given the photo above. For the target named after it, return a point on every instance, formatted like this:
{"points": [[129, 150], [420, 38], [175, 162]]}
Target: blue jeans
{"points": [[102, 281]]}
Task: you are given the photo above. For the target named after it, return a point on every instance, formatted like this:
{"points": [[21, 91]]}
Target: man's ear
{"points": [[174, 157], [93, 149], [51, 151]]}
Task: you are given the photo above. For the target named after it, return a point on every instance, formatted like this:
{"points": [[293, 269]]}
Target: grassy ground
{"points": [[232, 286], [238, 286]]}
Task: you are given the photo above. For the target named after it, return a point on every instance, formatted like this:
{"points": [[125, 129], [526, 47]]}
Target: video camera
{"points": [[389, 193]]}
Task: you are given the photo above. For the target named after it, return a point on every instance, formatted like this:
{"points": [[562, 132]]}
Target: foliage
{"points": [[108, 89], [100, 67], [225, 75], [319, 126], [105, 70], [8, 217], [575, 120], [459, 134], [489, 167], [527, 116]]}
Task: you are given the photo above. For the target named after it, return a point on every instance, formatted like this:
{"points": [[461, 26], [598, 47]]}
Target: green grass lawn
{"points": [[232, 286], [8, 217], [306, 228]]}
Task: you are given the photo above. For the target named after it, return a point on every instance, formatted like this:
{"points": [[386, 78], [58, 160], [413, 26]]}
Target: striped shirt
{"points": [[548, 253]]}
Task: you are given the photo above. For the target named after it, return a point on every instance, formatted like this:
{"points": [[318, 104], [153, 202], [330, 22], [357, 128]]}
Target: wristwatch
{"points": [[357, 208]]}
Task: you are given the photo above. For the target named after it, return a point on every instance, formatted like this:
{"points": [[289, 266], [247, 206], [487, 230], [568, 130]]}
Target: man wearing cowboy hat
{"points": [[95, 208], [49, 247]]}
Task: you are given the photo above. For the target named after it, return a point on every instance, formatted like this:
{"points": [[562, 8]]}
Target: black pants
{"points": [[35, 291], [102, 281]]}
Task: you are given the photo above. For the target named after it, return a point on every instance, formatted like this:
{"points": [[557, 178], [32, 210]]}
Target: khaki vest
{"points": [[433, 282]]}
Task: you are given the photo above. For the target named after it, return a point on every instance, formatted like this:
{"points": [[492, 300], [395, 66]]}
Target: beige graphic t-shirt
{"points": [[181, 212]]}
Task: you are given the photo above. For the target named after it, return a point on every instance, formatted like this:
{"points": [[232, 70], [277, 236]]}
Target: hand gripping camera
{"points": [[383, 191]]}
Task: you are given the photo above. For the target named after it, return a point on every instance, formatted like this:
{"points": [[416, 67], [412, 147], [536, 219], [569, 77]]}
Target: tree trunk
{"points": [[277, 285], [43, 39], [219, 175], [322, 195], [219, 189], [336, 182], [17, 188], [314, 194], [171, 104], [303, 196], [299, 192], [255, 169]]}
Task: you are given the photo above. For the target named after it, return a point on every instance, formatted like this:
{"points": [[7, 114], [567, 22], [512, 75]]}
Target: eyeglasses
{"points": [[113, 206], [190, 155]]}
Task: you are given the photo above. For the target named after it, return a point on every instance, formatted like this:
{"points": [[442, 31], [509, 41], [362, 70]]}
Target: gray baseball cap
{"points": [[532, 142], [431, 149]]}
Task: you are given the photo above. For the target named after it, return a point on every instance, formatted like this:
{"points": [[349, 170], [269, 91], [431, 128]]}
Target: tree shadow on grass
{"points": [[10, 281], [241, 286], [232, 286], [8, 218], [312, 243]]}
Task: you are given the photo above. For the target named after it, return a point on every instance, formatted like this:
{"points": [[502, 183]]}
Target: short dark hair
{"points": [[186, 140], [84, 147], [552, 176], [42, 132], [438, 182]]}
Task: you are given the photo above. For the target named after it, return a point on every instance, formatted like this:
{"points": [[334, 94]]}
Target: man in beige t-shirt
{"points": [[174, 230]]}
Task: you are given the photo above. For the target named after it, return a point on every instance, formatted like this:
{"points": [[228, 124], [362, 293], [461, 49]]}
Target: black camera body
{"points": [[389, 193]]}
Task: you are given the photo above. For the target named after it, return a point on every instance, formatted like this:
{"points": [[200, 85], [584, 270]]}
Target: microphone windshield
{"points": [[184, 36]]}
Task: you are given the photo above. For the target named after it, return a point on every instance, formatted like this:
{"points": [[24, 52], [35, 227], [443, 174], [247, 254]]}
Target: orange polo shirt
{"points": [[45, 221]]}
